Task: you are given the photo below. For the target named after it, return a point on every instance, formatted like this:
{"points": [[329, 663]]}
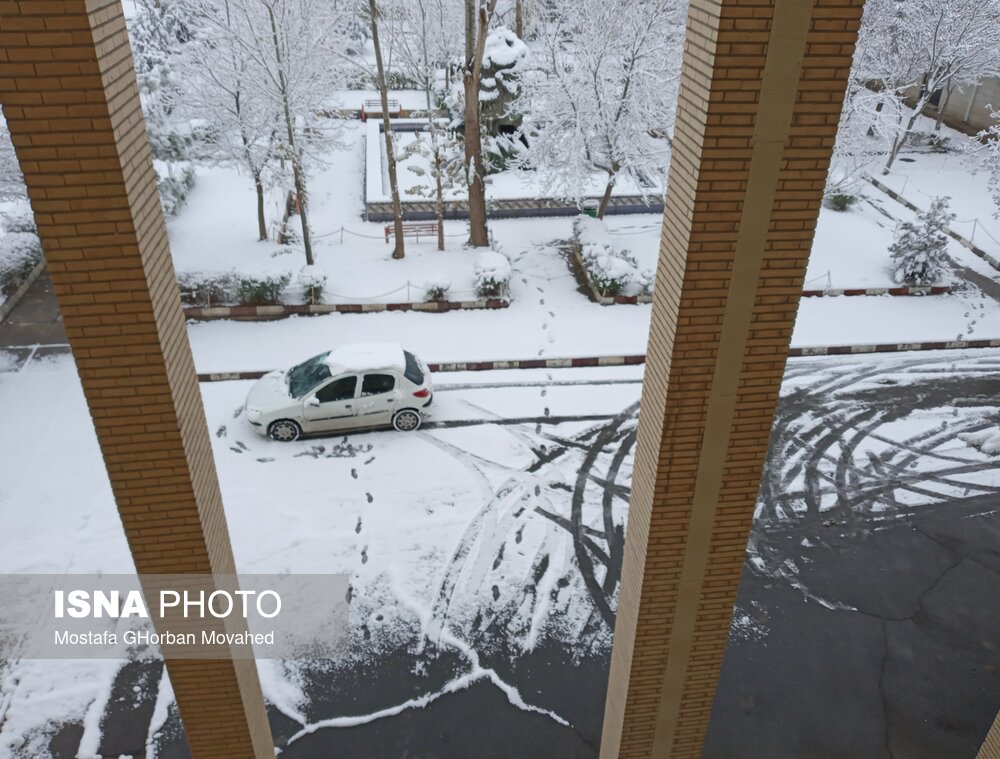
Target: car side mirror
{"points": [[313, 401]]}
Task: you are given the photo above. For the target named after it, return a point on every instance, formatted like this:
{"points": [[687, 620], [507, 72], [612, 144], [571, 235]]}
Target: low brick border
{"points": [[639, 358], [900, 291], [15, 297], [948, 230], [262, 313]]}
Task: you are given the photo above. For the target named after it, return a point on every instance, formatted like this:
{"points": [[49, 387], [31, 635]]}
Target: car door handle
{"points": [[391, 400], [347, 405]]}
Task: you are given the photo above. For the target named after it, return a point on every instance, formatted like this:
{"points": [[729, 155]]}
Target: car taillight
{"points": [[422, 393]]}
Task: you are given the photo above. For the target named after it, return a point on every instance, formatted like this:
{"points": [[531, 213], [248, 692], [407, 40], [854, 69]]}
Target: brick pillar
{"points": [[761, 93], [69, 93], [991, 746]]}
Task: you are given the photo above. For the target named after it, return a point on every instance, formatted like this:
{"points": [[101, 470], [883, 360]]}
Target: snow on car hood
{"points": [[269, 392]]}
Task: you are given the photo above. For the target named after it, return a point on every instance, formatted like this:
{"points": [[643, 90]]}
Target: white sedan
{"points": [[351, 388]]}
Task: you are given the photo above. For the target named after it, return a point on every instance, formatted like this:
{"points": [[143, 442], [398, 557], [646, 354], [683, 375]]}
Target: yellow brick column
{"points": [[69, 93], [991, 746], [760, 98]]}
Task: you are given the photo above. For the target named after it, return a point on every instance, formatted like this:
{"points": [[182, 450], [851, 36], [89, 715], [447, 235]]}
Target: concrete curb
{"points": [[951, 233], [263, 313], [897, 291], [14, 298], [637, 359]]}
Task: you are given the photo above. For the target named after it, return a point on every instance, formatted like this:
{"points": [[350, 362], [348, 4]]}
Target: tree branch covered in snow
{"points": [[605, 97]]}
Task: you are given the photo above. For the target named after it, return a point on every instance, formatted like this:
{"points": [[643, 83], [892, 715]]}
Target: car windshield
{"points": [[308, 374], [413, 371]]}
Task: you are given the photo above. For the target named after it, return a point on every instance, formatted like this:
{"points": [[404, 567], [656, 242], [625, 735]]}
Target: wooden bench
{"points": [[414, 229]]}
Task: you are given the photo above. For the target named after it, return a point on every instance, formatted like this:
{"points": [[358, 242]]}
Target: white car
{"points": [[351, 388]]}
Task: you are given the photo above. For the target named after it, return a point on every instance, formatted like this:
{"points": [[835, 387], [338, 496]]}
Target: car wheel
{"points": [[406, 420], [284, 431]]}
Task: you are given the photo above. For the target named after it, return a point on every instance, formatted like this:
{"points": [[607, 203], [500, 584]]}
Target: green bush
{"points": [[841, 201], [261, 289]]}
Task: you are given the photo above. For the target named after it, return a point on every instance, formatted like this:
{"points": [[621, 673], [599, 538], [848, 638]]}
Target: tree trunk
{"points": [[298, 174], [261, 218], [478, 233], [390, 152], [519, 19], [440, 196], [941, 106], [897, 144], [606, 199]]}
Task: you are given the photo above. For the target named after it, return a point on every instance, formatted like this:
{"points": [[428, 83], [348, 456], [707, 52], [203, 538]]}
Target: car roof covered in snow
{"points": [[362, 357]]}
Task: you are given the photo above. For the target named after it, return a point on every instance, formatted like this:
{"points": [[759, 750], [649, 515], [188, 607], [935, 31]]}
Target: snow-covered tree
{"points": [[930, 46], [918, 253], [990, 155], [286, 45], [478, 17], [11, 181], [606, 99], [425, 51], [242, 128], [375, 15], [159, 32]]}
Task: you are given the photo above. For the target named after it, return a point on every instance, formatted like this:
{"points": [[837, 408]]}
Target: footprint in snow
{"points": [[357, 527], [369, 497], [354, 473], [241, 445], [369, 461], [496, 593], [547, 412], [235, 449], [364, 555], [519, 535], [221, 432], [552, 313], [265, 460], [545, 391], [499, 559]]}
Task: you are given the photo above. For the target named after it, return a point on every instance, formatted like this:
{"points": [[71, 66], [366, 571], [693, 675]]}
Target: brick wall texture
{"points": [[761, 94], [69, 94]]}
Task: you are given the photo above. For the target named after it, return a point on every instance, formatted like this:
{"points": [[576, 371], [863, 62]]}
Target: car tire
{"points": [[284, 431], [406, 420]]}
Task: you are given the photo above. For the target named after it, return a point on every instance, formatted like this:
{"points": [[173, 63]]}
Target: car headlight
{"points": [[253, 413]]}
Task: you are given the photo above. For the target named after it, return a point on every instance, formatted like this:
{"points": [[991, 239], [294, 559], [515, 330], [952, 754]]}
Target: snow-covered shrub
{"points": [[261, 289], [647, 279], [918, 254], [609, 269], [840, 201], [19, 253], [437, 288], [312, 281], [174, 189], [492, 274], [989, 156], [20, 220], [987, 441], [207, 289]]}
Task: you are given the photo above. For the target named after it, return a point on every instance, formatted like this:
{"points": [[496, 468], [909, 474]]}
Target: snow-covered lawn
{"points": [[920, 177], [508, 184]]}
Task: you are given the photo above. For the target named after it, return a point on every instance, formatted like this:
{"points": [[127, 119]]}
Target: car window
{"points": [[338, 390], [308, 374], [376, 384], [413, 372]]}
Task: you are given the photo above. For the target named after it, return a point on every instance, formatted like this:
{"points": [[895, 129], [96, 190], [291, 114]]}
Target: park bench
{"points": [[414, 229], [374, 107]]}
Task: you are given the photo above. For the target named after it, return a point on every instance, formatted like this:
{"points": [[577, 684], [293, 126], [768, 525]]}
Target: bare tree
{"points": [[383, 90], [220, 90], [605, 100]]}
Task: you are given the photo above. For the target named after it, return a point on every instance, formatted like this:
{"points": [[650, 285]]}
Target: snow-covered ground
{"points": [[921, 176], [460, 537]]}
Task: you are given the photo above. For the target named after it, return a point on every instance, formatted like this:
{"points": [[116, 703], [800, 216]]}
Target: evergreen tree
{"points": [[918, 254]]}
